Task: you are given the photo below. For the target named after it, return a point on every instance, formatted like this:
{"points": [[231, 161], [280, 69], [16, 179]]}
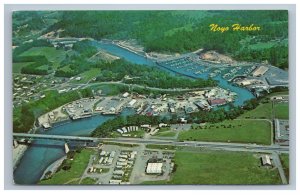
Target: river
{"points": [[42, 153]]}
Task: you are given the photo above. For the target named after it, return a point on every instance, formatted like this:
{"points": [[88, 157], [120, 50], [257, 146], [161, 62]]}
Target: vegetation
{"points": [[213, 116], [285, 161], [263, 111], [219, 167], [165, 134], [160, 147], [242, 131], [88, 181], [77, 62], [147, 76], [75, 169], [106, 128], [25, 115], [160, 31], [53, 55], [281, 110], [17, 66], [120, 144]]}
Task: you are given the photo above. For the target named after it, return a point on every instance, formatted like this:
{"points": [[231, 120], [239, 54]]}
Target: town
{"points": [[160, 101]]}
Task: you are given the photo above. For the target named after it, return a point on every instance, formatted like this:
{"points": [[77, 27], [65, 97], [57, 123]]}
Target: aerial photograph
{"points": [[150, 97]]}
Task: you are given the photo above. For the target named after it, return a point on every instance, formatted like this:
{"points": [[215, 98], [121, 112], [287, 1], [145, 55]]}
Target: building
{"points": [[282, 131], [183, 120], [132, 102], [201, 105], [154, 168], [46, 125], [266, 161], [146, 126], [118, 172], [125, 95], [260, 71], [217, 102], [114, 181], [162, 125]]}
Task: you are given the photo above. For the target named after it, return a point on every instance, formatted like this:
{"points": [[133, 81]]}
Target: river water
{"points": [[42, 153]]}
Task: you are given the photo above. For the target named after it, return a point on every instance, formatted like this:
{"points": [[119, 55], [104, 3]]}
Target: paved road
{"points": [[278, 164], [211, 145]]}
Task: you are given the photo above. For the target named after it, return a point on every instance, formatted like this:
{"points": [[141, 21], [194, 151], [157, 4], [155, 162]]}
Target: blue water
{"points": [[42, 153], [123, 53]]}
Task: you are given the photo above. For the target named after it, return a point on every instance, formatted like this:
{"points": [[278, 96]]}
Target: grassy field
{"points": [[110, 89], [18, 66], [52, 54], [160, 147], [261, 111], [165, 134], [120, 144], [77, 168], [219, 167], [88, 75], [239, 131], [281, 110], [285, 161], [88, 181]]}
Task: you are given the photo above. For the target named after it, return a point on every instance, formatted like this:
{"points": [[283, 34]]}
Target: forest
{"points": [[25, 115], [186, 31]]}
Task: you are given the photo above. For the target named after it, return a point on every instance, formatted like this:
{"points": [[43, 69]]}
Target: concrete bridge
{"points": [[209, 145], [66, 138]]}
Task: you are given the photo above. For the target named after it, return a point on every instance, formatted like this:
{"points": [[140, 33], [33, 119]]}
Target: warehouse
{"points": [[132, 102], [260, 71], [154, 168], [217, 102]]}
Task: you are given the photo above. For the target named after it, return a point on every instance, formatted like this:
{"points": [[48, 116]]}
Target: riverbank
{"points": [[53, 167], [18, 153]]}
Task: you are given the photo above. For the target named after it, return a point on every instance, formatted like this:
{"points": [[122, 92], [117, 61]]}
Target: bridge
{"points": [[66, 138], [201, 144]]}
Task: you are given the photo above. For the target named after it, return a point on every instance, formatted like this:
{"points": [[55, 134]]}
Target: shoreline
{"points": [[18, 153], [53, 166]]}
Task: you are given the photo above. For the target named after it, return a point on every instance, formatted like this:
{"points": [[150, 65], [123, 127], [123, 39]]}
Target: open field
{"points": [[285, 161], [88, 181], [18, 66], [78, 166], [239, 131], [219, 167], [161, 147], [281, 110], [88, 75], [52, 54], [110, 89], [261, 111], [166, 134]]}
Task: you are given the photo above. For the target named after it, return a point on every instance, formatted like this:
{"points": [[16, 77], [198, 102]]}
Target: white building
{"points": [[120, 131], [154, 168], [146, 126], [126, 94], [266, 161], [132, 102], [162, 125]]}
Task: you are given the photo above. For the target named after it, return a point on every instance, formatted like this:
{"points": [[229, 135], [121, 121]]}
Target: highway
{"points": [[209, 145]]}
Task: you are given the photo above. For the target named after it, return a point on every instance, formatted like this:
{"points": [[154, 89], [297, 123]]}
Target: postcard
{"points": [[150, 97]]}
